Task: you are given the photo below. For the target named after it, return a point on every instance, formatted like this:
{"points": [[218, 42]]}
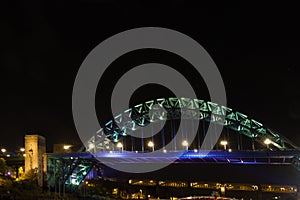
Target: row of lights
{"points": [[151, 145], [267, 141], [185, 144], [3, 150]]}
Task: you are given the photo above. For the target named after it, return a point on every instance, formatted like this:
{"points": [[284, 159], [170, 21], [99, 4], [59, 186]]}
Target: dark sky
{"points": [[256, 48]]}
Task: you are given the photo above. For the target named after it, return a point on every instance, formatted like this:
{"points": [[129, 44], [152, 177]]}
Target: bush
{"points": [[31, 176], [3, 166]]}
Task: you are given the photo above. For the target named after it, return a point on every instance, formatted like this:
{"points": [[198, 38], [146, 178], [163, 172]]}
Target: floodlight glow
{"points": [[67, 147], [120, 145], [224, 143], [185, 143], [91, 146], [267, 141], [150, 144]]}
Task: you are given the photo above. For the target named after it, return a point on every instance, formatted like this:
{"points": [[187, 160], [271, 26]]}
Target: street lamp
{"points": [[67, 147], [151, 145], [91, 146], [185, 144], [267, 142], [120, 146], [224, 143]]}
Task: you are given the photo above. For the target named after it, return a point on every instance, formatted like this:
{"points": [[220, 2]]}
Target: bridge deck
{"points": [[213, 165], [250, 157]]}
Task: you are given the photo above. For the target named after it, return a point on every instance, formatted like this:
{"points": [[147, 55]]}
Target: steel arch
{"points": [[139, 116]]}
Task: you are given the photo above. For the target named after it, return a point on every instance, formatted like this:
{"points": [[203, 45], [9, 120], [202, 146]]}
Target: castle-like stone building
{"points": [[35, 150]]}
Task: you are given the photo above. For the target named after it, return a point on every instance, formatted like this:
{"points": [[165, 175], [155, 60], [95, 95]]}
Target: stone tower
{"points": [[35, 148]]}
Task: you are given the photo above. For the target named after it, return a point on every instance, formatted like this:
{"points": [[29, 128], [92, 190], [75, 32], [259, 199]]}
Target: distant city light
{"points": [[3, 150], [222, 189], [24, 155], [195, 150], [22, 149], [8, 155]]}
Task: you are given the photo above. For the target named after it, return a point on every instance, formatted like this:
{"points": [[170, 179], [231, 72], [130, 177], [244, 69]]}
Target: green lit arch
{"points": [[139, 116]]}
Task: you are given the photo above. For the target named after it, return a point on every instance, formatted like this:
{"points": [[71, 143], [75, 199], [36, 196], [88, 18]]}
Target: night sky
{"points": [[43, 43]]}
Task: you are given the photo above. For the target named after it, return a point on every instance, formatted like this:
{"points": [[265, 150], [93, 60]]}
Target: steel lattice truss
{"points": [[68, 170], [174, 108]]}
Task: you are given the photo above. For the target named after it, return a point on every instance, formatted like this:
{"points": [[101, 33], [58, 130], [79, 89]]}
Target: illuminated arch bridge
{"points": [[238, 126], [264, 145]]}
